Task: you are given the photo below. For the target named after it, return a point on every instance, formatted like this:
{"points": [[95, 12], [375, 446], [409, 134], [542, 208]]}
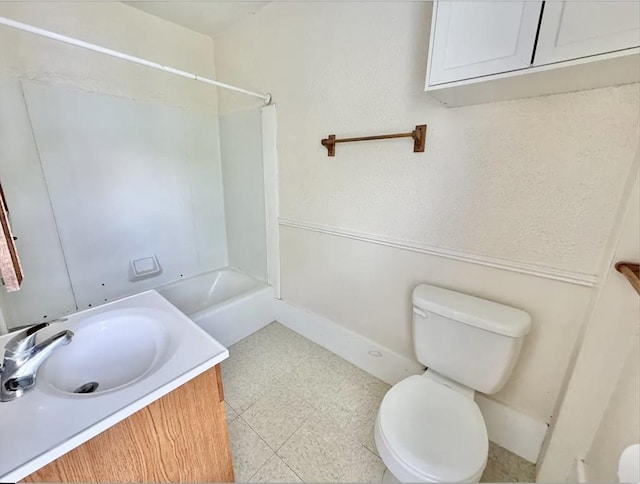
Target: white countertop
{"points": [[46, 423]]}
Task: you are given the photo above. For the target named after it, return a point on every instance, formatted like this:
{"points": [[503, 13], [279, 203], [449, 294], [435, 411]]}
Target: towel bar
{"points": [[419, 136]]}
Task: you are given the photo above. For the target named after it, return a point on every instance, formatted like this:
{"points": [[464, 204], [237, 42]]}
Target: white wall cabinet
{"points": [[508, 33], [487, 51], [570, 30]]}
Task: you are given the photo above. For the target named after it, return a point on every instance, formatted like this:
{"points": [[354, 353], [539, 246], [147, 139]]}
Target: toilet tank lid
{"points": [[471, 310]]}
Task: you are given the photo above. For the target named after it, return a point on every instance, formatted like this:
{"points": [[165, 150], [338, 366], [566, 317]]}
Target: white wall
{"points": [[599, 412], [153, 131], [117, 26], [3, 326], [46, 288], [128, 180], [508, 200], [243, 173], [109, 180]]}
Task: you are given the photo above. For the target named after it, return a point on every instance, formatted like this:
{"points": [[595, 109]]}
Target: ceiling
{"points": [[208, 18]]}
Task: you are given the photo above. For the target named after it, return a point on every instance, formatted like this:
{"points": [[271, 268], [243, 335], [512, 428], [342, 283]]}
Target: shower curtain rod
{"points": [[121, 55]]}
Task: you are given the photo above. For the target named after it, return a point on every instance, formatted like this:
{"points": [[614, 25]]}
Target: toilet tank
{"points": [[470, 340]]}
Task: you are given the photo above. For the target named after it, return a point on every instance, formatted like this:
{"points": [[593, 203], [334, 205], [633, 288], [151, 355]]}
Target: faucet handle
{"points": [[25, 340]]}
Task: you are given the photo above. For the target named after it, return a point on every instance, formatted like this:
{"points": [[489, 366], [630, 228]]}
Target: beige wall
{"points": [[620, 426], [367, 287], [116, 26], [598, 415], [531, 186]]}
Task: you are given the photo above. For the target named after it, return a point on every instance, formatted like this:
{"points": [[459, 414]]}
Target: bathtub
{"points": [[226, 303]]}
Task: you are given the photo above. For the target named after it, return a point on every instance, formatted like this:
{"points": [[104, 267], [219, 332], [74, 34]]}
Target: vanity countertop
{"points": [[46, 423]]}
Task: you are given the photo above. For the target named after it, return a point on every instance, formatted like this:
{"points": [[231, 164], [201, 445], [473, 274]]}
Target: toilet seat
{"points": [[428, 432]]}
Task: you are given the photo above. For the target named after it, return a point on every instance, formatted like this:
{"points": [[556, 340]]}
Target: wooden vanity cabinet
{"points": [[182, 437]]}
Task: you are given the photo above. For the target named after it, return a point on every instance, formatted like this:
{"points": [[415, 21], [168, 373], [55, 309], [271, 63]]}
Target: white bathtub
{"points": [[227, 304]]}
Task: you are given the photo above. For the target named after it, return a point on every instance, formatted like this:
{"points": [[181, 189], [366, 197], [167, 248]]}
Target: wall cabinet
{"points": [[530, 47], [473, 39], [570, 30]]}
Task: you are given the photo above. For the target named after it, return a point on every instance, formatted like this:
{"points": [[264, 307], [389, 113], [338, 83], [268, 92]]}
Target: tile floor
{"points": [[299, 413]]}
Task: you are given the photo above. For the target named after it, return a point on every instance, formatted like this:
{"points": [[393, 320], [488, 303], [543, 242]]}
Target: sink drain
{"points": [[90, 387]]}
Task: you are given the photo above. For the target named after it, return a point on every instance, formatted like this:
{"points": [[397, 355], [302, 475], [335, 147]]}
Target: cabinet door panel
{"points": [[473, 38], [574, 29]]}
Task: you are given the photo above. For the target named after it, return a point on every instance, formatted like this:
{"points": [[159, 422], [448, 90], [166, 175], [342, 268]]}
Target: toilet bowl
{"points": [[429, 428], [429, 432]]}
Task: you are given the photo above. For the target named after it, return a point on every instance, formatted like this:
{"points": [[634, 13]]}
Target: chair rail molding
{"points": [[571, 277]]}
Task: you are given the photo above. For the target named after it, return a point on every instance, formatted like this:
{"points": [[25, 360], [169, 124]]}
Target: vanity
{"points": [[136, 395]]}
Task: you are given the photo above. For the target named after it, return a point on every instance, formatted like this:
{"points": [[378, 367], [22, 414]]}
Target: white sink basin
{"points": [[108, 351], [136, 349]]}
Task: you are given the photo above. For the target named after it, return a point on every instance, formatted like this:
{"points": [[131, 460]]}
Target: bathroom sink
{"points": [[110, 350], [124, 355]]}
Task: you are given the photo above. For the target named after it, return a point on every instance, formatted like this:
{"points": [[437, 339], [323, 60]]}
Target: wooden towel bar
{"points": [[419, 136]]}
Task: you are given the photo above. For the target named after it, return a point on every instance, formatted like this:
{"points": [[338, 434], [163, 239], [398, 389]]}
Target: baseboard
{"points": [[507, 427], [362, 352], [511, 429]]}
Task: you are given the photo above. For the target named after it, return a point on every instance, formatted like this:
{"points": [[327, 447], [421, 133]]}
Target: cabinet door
{"points": [[472, 39], [574, 29]]}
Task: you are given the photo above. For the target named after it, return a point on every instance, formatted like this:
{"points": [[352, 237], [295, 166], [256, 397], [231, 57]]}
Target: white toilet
{"points": [[429, 429]]}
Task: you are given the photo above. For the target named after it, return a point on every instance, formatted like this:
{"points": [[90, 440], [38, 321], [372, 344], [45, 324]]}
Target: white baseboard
{"points": [[362, 352], [511, 429], [507, 427]]}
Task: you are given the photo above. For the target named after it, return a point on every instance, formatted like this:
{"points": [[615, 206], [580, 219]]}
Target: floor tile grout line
{"points": [[265, 443], [262, 466], [338, 431], [289, 467], [247, 409], [276, 456], [292, 434], [263, 439], [371, 452], [289, 438], [256, 432], [231, 406]]}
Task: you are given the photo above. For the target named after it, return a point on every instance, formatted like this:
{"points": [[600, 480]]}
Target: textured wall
{"points": [[534, 180], [119, 27]]}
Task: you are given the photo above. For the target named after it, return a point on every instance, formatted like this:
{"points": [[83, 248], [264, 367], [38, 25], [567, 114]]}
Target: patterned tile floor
{"points": [[299, 413]]}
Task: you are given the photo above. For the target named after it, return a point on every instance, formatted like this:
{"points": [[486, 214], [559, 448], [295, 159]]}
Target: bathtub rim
{"points": [[201, 312], [228, 302]]}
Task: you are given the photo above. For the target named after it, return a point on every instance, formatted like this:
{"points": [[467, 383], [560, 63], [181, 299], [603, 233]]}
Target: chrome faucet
{"points": [[23, 357]]}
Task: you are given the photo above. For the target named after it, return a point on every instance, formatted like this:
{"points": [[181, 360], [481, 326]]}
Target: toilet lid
{"points": [[436, 432]]}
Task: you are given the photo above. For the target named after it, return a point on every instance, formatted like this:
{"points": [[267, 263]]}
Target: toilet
{"points": [[429, 428]]}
